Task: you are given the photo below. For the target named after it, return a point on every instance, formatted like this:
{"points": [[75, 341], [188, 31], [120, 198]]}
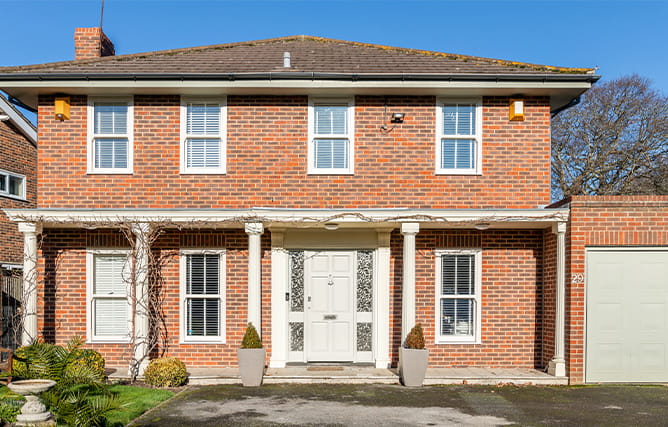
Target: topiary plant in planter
{"points": [[251, 357], [413, 358]]}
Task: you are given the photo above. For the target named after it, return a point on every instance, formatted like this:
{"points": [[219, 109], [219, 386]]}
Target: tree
{"points": [[614, 142]]}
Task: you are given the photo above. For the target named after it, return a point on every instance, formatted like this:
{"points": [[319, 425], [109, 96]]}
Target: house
{"points": [[18, 190], [333, 194]]}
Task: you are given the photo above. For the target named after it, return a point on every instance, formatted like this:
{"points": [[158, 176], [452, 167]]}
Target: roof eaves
{"points": [[21, 122]]}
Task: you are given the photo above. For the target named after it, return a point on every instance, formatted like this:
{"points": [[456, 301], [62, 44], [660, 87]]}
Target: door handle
{"points": [[329, 317]]}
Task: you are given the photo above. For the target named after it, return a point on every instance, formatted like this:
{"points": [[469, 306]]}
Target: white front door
{"points": [[330, 306]]}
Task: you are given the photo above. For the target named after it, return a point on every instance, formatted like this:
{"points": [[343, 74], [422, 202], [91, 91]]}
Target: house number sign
{"points": [[577, 278]]}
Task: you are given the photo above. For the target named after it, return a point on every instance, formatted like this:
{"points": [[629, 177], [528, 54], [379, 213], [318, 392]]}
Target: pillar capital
{"points": [[30, 227], [254, 228], [559, 227], [410, 228]]}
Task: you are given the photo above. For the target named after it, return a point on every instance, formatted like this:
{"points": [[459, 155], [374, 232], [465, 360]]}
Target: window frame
{"points": [[183, 336], [222, 103], [6, 193], [477, 327], [477, 137], [91, 169], [91, 297], [349, 102]]}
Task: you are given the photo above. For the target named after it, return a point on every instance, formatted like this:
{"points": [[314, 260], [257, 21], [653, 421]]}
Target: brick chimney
{"points": [[92, 43]]}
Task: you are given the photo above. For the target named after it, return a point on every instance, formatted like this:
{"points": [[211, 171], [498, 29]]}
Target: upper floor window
{"points": [[331, 131], [13, 185], [203, 136], [458, 287], [459, 133], [110, 123]]}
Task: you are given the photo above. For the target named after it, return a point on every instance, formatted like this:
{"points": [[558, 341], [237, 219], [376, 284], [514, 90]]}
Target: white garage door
{"points": [[627, 315]]}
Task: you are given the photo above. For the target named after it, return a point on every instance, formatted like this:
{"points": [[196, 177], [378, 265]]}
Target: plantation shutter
{"points": [[111, 146], [331, 153], [331, 119], [110, 304], [331, 144], [203, 302], [203, 136], [458, 295]]}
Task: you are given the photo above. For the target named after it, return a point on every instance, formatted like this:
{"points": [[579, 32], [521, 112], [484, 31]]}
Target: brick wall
{"points": [[511, 294], [604, 221], [267, 159], [92, 43], [512, 272], [17, 154]]}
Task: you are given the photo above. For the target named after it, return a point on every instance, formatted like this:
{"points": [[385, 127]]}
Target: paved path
{"points": [[386, 405]]}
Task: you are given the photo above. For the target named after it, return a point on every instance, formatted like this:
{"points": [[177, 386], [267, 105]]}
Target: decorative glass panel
{"points": [[364, 336], [297, 281], [296, 336], [364, 281]]}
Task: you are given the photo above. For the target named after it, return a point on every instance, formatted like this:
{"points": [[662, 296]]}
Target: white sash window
{"points": [[108, 302], [12, 185], [459, 137], [202, 296], [110, 135], [458, 299], [331, 132], [203, 136]]}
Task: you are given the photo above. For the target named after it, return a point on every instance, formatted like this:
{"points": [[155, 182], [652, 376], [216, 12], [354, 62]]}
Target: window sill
{"points": [[457, 341], [200, 341], [203, 172], [330, 172], [110, 172], [457, 172], [13, 197], [108, 341]]}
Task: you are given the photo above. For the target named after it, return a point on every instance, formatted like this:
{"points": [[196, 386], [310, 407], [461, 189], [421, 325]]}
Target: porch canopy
{"points": [[278, 220]]}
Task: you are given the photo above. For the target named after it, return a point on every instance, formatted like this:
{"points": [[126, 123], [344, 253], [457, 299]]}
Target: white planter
{"points": [[251, 365], [412, 366]]}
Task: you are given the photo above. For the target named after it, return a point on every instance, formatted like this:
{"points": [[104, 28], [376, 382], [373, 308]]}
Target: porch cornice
{"points": [[295, 218]]}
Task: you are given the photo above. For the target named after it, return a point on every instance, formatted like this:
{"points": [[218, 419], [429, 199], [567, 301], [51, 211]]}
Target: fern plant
{"points": [[251, 338], [79, 397]]}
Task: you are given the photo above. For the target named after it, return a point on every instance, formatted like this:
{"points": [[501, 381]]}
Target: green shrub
{"points": [[10, 406], [166, 372], [87, 357], [415, 338], [251, 338]]}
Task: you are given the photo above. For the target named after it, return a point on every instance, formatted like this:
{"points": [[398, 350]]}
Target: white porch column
{"points": [[557, 365], [279, 289], [254, 231], [409, 230], [142, 248], [30, 232], [382, 300]]}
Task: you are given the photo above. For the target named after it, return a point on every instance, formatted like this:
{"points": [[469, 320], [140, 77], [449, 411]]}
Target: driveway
{"points": [[389, 405]]}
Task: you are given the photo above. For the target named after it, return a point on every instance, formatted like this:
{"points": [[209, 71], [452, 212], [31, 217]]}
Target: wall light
{"points": [[516, 110], [331, 226], [481, 226], [61, 108], [398, 117]]}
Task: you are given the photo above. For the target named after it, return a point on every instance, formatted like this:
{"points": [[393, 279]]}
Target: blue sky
{"points": [[619, 37]]}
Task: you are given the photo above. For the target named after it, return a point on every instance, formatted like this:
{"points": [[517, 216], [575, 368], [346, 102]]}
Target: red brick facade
{"points": [[18, 155], [267, 146], [598, 221]]}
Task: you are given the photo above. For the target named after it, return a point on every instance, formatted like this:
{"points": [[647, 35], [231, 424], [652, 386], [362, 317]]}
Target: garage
{"points": [[626, 315]]}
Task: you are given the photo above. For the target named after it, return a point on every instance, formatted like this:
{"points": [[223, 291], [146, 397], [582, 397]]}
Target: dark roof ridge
{"points": [[515, 64]]}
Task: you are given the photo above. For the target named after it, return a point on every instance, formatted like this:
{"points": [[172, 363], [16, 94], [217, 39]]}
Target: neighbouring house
{"points": [[18, 190], [334, 194]]}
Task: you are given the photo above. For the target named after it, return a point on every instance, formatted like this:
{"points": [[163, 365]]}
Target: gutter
{"points": [[589, 78]]}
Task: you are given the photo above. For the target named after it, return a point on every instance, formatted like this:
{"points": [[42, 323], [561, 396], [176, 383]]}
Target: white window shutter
{"points": [[331, 153], [109, 275], [331, 120], [202, 119], [111, 118], [111, 317]]}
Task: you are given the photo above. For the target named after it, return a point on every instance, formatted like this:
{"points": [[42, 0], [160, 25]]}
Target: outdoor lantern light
{"points": [[62, 108], [481, 226], [516, 111], [397, 117], [331, 226]]}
